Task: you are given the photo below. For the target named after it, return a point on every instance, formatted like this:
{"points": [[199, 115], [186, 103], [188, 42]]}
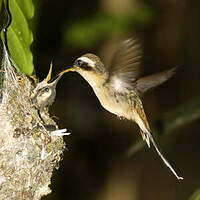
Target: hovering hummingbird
{"points": [[119, 88]]}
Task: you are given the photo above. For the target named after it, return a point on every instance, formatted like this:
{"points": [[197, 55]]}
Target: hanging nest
{"points": [[29, 152]]}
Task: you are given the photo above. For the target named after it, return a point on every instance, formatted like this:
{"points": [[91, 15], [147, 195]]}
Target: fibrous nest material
{"points": [[28, 151]]}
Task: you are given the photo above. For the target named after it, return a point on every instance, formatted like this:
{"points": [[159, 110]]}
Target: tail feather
{"points": [[149, 136], [145, 137], [142, 122]]}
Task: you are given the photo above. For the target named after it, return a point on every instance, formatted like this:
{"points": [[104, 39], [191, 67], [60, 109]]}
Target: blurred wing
{"points": [[124, 68], [149, 82]]}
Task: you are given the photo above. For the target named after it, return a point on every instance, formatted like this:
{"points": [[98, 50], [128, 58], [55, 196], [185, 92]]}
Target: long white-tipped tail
{"points": [[149, 135]]}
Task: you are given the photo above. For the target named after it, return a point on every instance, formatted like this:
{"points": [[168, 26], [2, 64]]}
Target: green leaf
{"points": [[196, 195], [19, 35]]}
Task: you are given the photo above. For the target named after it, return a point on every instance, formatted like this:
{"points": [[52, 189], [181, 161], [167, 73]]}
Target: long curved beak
{"points": [[70, 69], [55, 80]]}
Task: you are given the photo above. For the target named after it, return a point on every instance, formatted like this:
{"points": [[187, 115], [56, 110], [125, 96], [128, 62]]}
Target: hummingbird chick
{"points": [[45, 92], [119, 87]]}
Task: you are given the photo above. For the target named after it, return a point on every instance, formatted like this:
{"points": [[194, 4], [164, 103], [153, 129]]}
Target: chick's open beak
{"points": [[48, 78], [53, 81]]}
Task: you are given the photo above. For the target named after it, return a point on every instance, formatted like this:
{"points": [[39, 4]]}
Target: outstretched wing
{"points": [[124, 68], [149, 82]]}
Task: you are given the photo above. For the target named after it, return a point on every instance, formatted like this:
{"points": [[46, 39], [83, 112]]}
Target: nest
{"points": [[29, 152]]}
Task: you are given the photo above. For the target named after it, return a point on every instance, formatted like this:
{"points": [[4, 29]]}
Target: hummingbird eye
{"points": [[83, 65], [79, 63]]}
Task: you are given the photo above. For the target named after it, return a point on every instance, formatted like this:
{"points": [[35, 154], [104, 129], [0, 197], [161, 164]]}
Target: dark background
{"points": [[95, 166]]}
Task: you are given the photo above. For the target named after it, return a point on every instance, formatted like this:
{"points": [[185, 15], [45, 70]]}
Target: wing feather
{"points": [[125, 64], [149, 82]]}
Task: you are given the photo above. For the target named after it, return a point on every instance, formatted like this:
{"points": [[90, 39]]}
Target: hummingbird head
{"points": [[89, 62], [45, 92], [90, 67]]}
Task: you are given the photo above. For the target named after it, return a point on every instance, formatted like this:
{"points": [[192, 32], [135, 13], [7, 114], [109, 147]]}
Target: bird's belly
{"points": [[112, 104], [113, 107]]}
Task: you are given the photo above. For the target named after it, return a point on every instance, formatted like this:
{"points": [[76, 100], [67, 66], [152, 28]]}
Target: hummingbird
{"points": [[42, 97], [44, 93], [119, 87]]}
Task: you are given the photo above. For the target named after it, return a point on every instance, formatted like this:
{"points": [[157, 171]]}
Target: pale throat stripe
{"points": [[87, 60]]}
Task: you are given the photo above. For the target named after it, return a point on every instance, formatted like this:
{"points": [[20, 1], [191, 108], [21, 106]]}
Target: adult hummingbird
{"points": [[119, 88]]}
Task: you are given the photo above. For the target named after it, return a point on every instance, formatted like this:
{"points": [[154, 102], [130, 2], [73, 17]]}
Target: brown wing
{"points": [[149, 82], [124, 68]]}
